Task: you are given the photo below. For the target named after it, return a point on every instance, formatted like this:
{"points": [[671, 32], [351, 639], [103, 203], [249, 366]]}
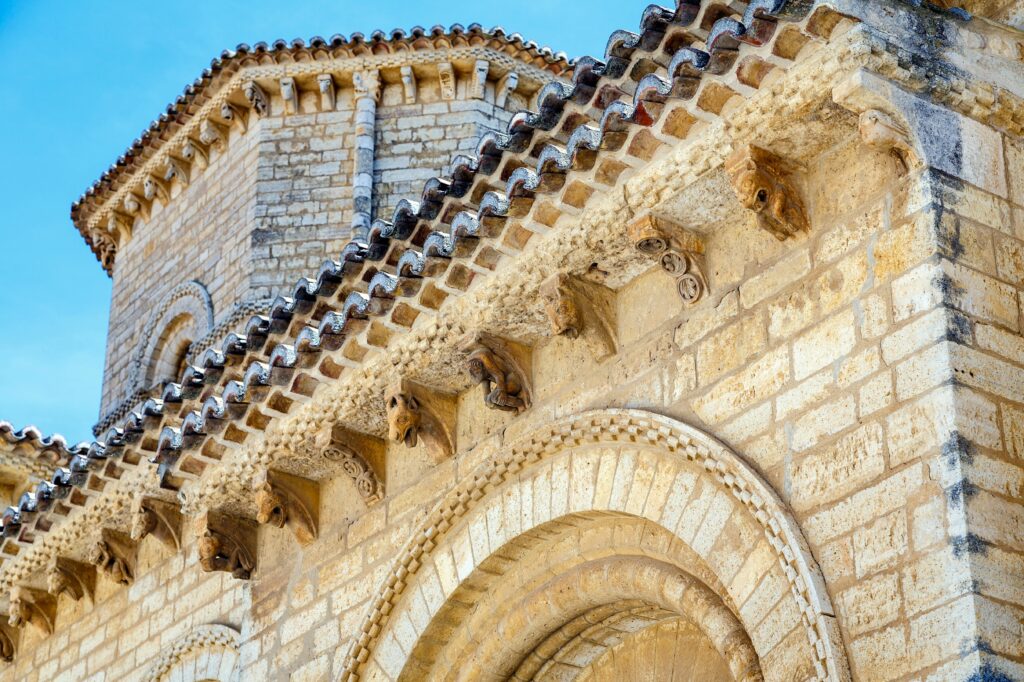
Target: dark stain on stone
{"points": [[968, 544], [957, 450]]}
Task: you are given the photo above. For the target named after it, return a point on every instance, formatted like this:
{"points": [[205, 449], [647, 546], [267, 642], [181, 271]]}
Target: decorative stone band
{"points": [[635, 427], [220, 641]]}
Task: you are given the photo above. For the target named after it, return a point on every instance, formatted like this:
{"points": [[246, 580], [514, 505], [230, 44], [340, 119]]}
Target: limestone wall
{"points": [[869, 372]]}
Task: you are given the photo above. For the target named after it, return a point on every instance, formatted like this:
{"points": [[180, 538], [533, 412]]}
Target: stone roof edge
{"points": [[334, 55]]}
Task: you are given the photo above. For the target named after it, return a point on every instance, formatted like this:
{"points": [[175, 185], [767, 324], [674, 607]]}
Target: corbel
{"points": [[72, 578], [156, 189], [212, 134], [416, 412], [506, 86], [257, 98], [366, 84], [8, 640], [286, 500], [885, 120], [114, 555], [227, 544], [28, 605], [135, 206], [680, 253], [194, 152], [119, 225], [502, 368], [446, 76], [480, 69], [360, 456], [159, 518], [176, 170], [577, 308], [763, 184], [325, 83], [290, 95], [409, 84], [106, 245], [234, 115]]}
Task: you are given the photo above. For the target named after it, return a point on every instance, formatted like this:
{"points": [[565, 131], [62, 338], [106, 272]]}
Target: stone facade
{"points": [[711, 369]]}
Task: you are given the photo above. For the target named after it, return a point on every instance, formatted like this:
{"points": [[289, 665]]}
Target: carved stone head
{"points": [[56, 581], [762, 186], [17, 612], [143, 522], [404, 418], [270, 508]]}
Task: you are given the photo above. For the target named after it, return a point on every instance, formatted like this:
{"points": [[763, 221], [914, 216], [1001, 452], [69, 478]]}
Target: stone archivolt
{"points": [[219, 643], [449, 253]]}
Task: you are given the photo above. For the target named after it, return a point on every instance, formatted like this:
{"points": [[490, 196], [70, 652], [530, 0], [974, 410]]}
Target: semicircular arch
{"points": [[631, 463]]}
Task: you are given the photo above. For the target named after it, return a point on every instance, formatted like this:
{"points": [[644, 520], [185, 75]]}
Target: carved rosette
{"points": [[763, 185], [679, 254]]}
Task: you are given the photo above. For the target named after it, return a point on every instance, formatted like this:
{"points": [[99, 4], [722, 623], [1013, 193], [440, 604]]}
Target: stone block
{"points": [[834, 472]]}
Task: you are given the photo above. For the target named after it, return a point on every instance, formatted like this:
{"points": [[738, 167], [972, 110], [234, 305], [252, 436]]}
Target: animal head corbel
{"points": [[577, 308], [114, 556], [8, 638], [286, 500], [763, 184], [227, 544], [415, 412], [503, 370], [31, 606], [70, 578], [161, 519], [156, 189], [885, 122]]}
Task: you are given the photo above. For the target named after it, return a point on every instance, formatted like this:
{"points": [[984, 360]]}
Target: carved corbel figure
{"points": [[212, 135], [325, 83], [114, 555], [577, 308], [679, 252], [235, 115], [506, 86], [883, 124], [360, 456], [286, 500], [502, 368], [120, 226], [135, 207], [290, 95], [158, 518], [193, 152], [7, 648], [71, 578], [226, 544], [156, 189], [106, 245], [446, 75], [763, 185], [177, 170], [366, 84], [415, 412], [409, 84], [480, 69], [32, 606], [257, 98]]}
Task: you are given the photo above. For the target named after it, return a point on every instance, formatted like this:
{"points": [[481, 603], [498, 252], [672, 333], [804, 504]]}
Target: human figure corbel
{"points": [[226, 544], [416, 412], [114, 555], [501, 368]]}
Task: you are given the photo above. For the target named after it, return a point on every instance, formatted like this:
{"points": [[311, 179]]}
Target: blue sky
{"points": [[82, 79]]}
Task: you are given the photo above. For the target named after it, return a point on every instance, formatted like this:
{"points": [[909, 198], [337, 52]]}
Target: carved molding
{"points": [[763, 185], [360, 456], [161, 519], [415, 412], [679, 252], [28, 605], [203, 637], [446, 76], [286, 500], [72, 578], [114, 555], [227, 544], [502, 368], [580, 309]]}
